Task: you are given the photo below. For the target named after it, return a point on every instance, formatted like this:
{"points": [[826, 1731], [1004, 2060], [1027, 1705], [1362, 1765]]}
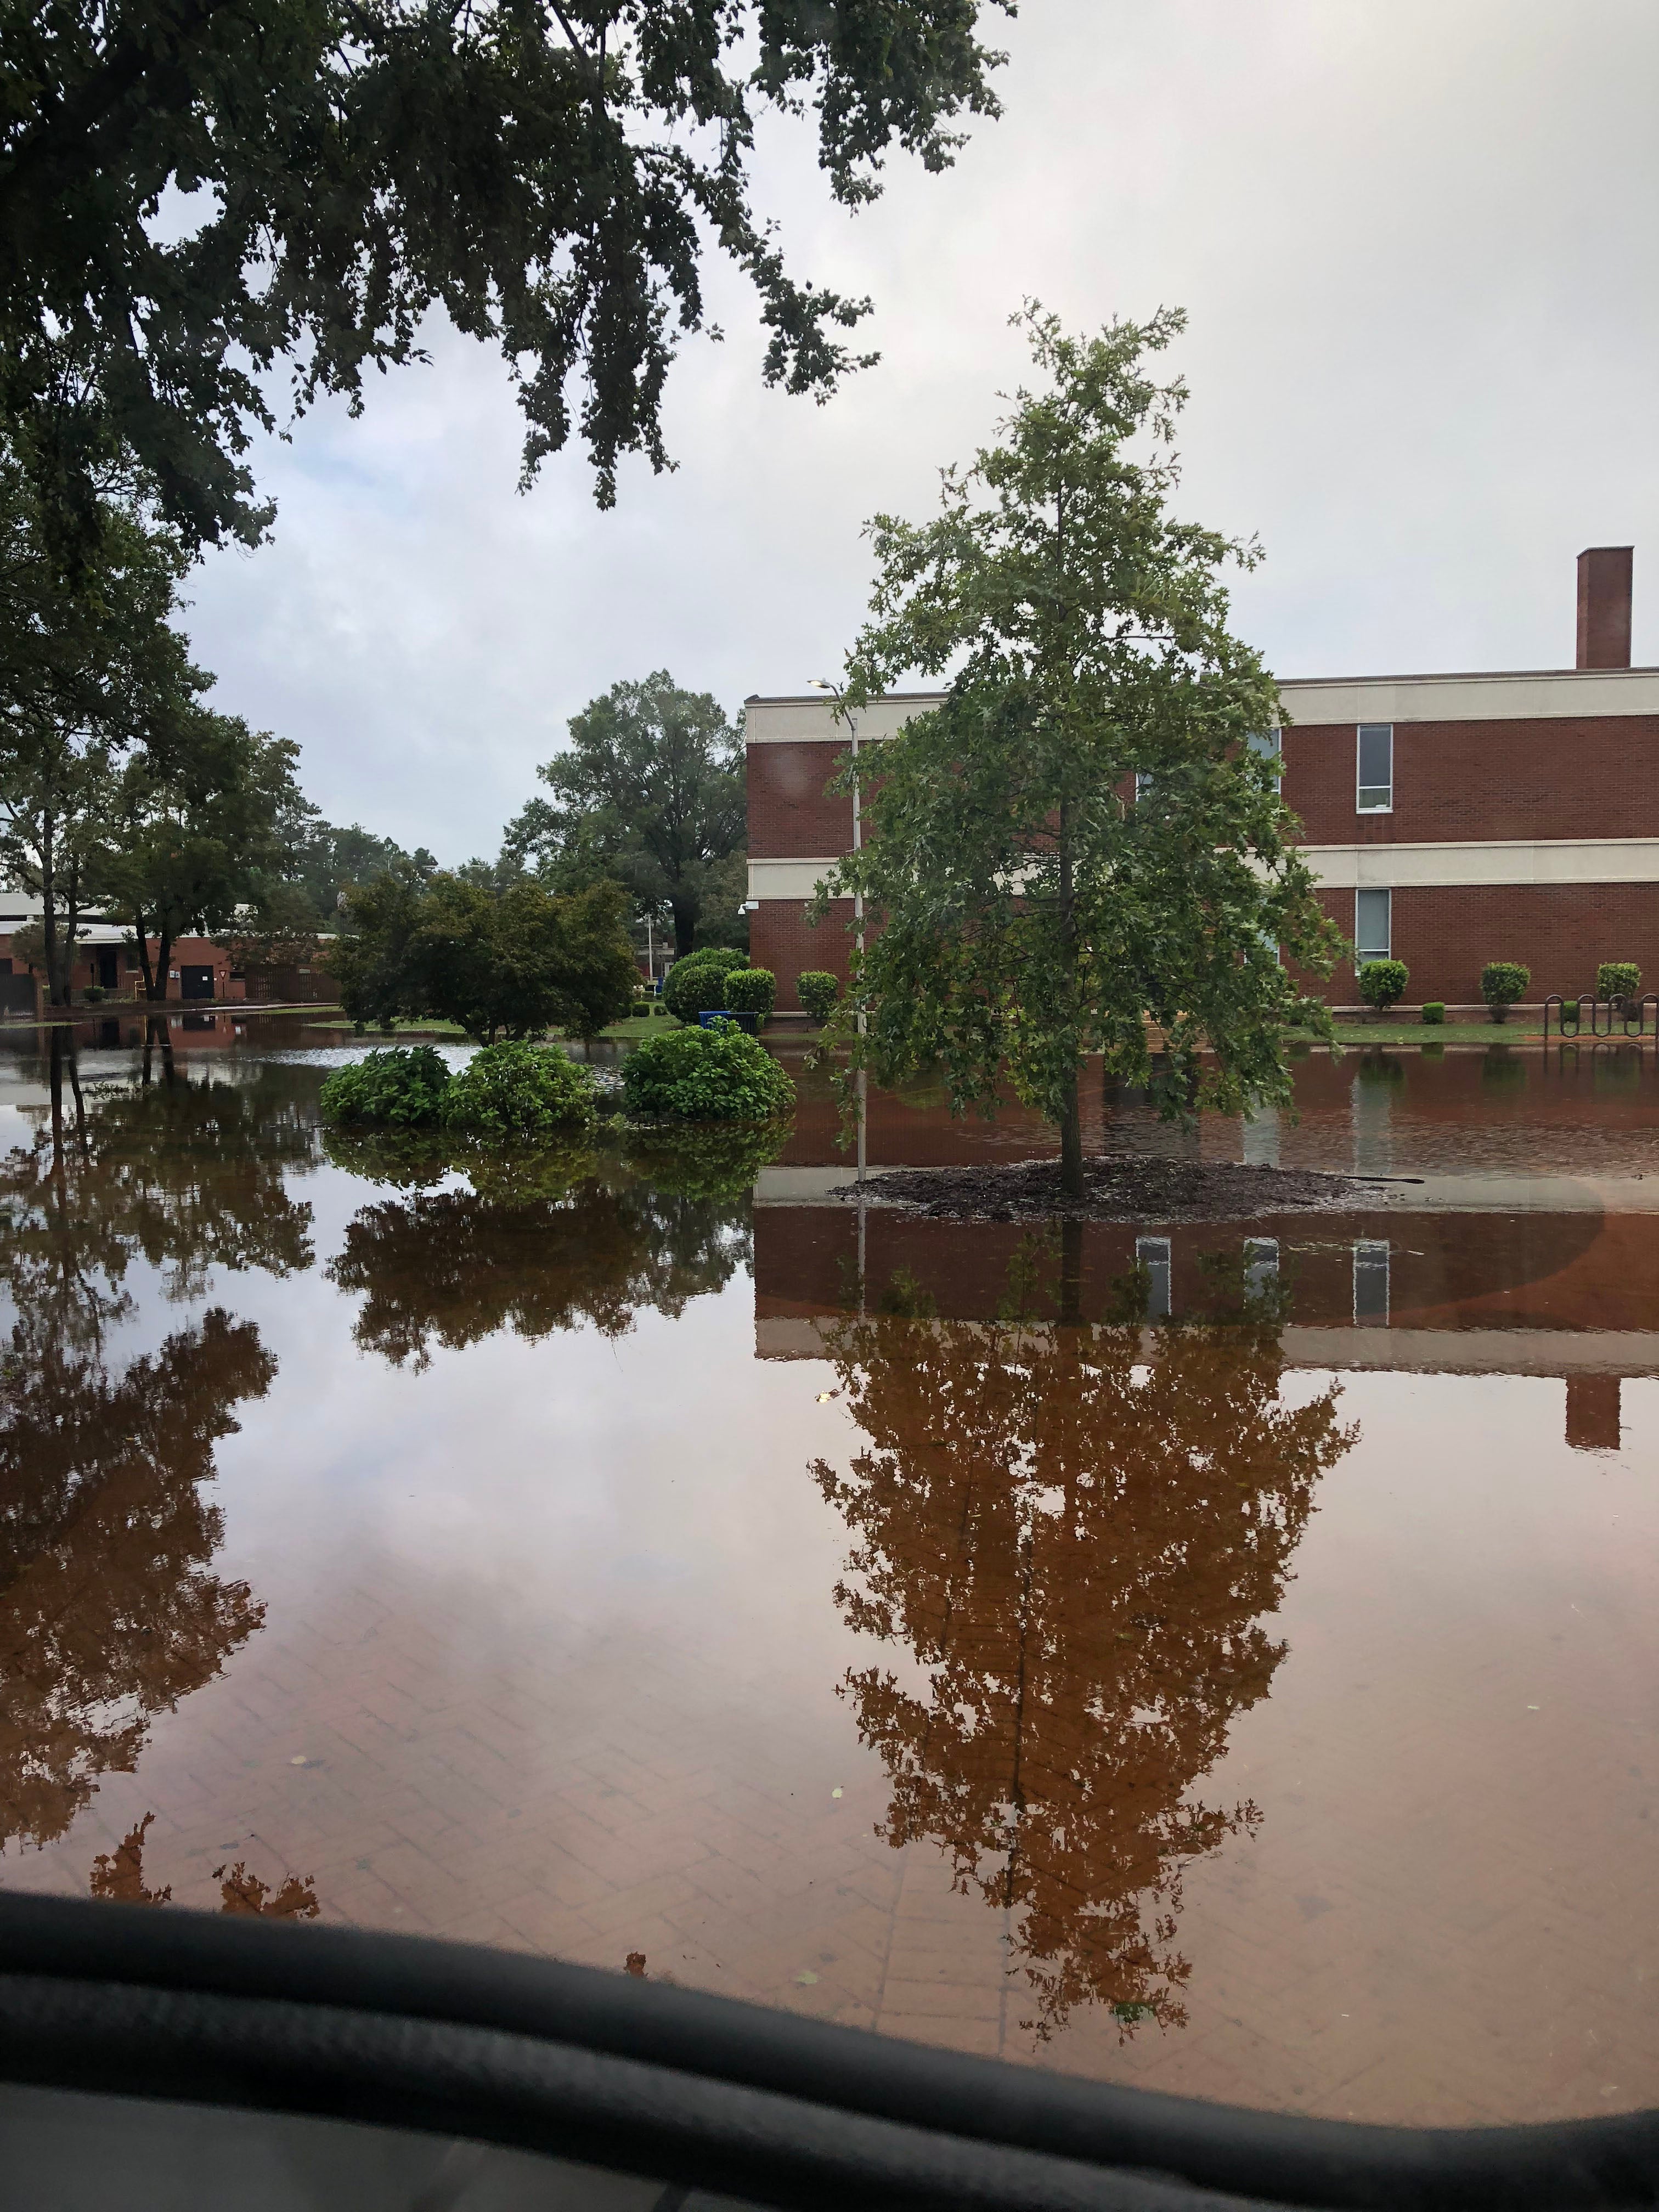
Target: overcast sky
{"points": [[1417, 243]]}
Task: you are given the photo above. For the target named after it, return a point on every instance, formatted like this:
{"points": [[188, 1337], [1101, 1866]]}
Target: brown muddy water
{"points": [[1249, 1687]]}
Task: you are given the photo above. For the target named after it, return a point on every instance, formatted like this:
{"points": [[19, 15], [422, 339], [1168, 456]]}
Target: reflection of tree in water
{"points": [[1076, 1531], [548, 1242], [108, 1612], [186, 1173], [117, 1877]]}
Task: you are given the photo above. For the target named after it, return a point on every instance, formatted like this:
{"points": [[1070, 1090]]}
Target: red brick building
{"points": [[1451, 820], [199, 971]]}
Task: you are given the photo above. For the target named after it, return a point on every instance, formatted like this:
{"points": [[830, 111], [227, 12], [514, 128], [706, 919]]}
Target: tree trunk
{"points": [[685, 925], [141, 937], [158, 988], [1071, 1270], [1071, 1141], [55, 996]]}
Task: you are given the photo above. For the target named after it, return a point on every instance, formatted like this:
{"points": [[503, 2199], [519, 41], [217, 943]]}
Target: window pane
{"points": [[1370, 1283], [1267, 744], [1152, 1253], [1372, 917], [1376, 766]]}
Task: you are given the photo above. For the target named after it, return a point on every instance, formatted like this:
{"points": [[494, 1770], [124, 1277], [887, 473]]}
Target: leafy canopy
{"points": [[519, 1090], [546, 171], [651, 792], [719, 1074], [1027, 908], [516, 963]]}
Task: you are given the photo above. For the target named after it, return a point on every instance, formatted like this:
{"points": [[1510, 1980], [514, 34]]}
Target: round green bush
{"points": [[1434, 1012], [817, 990], [1614, 979], [717, 1074], [751, 991], [696, 984], [1502, 982], [514, 1090], [1383, 983], [403, 1089]]}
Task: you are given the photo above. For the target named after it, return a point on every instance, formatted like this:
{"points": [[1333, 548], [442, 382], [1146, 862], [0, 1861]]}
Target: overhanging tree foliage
{"points": [[651, 793], [546, 171], [1088, 831]]}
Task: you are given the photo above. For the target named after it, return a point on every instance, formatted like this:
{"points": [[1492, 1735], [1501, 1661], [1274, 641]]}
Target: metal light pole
{"points": [[862, 1079]]}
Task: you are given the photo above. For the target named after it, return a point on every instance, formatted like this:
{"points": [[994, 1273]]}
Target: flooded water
{"points": [[1249, 1687]]}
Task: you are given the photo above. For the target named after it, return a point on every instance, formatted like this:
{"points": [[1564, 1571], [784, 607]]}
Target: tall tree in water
{"points": [[547, 175], [1088, 830], [1080, 1540], [651, 793]]}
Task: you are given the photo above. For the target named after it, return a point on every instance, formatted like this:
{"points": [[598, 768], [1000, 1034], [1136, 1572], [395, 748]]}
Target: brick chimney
{"points": [[1604, 606]]}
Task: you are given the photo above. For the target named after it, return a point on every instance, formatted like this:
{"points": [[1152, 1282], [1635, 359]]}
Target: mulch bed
{"points": [[1122, 1189]]}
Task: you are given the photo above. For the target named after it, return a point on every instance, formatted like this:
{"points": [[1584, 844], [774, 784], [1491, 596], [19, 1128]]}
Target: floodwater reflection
{"points": [[1080, 1534], [109, 1610]]}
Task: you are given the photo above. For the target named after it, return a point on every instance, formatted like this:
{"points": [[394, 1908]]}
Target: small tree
{"points": [[1618, 979], [818, 991], [1025, 908], [751, 991], [697, 984], [1502, 982], [513, 963], [1383, 983]]}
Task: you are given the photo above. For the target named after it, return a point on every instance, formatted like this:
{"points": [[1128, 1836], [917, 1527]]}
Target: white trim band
{"points": [[1492, 862]]}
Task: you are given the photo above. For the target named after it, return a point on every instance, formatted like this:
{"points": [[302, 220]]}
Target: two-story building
{"points": [[1451, 820]]}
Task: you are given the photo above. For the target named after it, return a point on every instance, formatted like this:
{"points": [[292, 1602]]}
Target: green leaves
{"points": [[547, 177], [719, 1074], [517, 962], [650, 792], [1081, 838]]}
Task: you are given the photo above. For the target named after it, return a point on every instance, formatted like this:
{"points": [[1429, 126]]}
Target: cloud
{"points": [[1418, 248]]}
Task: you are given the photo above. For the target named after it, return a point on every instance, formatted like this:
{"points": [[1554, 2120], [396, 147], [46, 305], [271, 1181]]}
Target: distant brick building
{"points": [[1451, 820], [199, 971]]}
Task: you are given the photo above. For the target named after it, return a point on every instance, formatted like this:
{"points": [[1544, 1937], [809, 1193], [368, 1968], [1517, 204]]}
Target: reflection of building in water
{"points": [[1079, 1533], [1570, 1294]]}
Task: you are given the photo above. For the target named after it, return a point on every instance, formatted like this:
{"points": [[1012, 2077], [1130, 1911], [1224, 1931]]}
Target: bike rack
{"points": [[1608, 1017]]}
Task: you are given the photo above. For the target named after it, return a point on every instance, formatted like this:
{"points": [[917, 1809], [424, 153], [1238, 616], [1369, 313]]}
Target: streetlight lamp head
{"points": [[818, 684]]}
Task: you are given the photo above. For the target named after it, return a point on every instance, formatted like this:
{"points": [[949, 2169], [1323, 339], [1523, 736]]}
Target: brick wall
{"points": [[781, 939], [789, 817], [1458, 781], [1560, 931]]}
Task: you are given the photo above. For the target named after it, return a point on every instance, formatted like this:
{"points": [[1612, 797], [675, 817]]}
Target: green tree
{"points": [[320, 861], [511, 964], [547, 176], [189, 824], [84, 674], [651, 793], [1026, 908]]}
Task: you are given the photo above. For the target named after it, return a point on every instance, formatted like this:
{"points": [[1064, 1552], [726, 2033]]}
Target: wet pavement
{"points": [[1216, 1655]]}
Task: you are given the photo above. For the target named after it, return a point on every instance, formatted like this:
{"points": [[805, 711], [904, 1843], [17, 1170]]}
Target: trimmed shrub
{"points": [[818, 991], [515, 1090], [717, 1074], [1383, 983], [696, 984], [1614, 979], [1434, 1012], [750, 991], [1502, 982], [403, 1089]]}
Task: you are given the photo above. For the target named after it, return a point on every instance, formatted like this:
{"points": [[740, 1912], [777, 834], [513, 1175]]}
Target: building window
{"points": [[1373, 925], [1261, 1266], [1376, 762], [1143, 783], [1153, 1256], [1370, 1284], [1268, 744]]}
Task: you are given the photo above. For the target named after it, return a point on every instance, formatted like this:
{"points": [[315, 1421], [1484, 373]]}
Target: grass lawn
{"points": [[1412, 1032]]}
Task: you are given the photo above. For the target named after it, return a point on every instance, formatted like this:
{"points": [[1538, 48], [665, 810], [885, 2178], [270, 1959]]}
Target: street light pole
{"points": [[862, 1079]]}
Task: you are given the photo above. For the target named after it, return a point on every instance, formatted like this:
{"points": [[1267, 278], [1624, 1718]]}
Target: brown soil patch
{"points": [[1121, 1189]]}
